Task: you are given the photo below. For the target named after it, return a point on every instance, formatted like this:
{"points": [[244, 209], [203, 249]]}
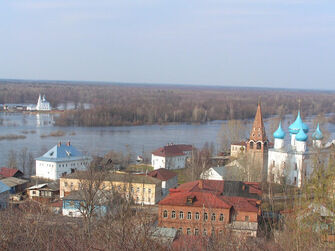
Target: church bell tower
{"points": [[257, 144]]}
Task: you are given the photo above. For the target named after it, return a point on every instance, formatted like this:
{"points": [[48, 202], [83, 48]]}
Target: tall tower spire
{"points": [[258, 131]]}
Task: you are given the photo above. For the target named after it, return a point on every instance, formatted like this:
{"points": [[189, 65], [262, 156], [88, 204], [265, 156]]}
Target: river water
{"points": [[100, 140]]}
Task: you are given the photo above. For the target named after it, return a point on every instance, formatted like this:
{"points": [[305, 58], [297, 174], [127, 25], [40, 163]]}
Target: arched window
{"points": [[251, 145], [173, 214], [221, 217], [189, 215], [165, 214], [188, 231], [213, 217], [259, 145], [197, 216], [181, 215], [205, 216]]}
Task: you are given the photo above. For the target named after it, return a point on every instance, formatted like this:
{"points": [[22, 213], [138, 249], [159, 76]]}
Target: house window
{"points": [[149, 190], [205, 216], [34, 192], [189, 215], [273, 163], [180, 230], [138, 190], [188, 231], [295, 166], [173, 214], [221, 217], [205, 232], [181, 215], [213, 217], [246, 218], [165, 214], [196, 231], [197, 216]]}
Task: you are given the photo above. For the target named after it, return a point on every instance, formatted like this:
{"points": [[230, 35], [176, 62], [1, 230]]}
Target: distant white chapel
{"points": [[42, 105]]}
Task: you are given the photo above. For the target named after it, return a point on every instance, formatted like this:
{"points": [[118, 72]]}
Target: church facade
{"points": [[293, 163]]}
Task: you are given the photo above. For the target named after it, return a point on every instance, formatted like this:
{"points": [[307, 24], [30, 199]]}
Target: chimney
{"points": [[201, 184], [68, 143], [59, 143]]}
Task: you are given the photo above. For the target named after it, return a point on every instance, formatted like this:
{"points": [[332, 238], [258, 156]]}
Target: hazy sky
{"points": [[273, 43]]}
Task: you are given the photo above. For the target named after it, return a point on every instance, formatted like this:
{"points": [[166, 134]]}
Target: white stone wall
{"points": [[175, 162], [236, 150], [157, 161], [291, 165], [54, 170]]}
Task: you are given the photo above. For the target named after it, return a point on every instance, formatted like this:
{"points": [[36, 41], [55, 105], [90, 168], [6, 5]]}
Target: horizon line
{"points": [[97, 82]]}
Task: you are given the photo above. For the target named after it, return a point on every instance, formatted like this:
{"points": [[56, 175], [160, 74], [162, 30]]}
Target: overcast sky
{"points": [[267, 43]]}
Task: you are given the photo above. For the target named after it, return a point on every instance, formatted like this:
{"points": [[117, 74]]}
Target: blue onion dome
{"points": [[301, 135], [317, 135], [279, 134], [297, 124]]}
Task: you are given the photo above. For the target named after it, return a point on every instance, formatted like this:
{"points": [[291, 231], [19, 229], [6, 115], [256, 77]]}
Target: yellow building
{"points": [[142, 189]]}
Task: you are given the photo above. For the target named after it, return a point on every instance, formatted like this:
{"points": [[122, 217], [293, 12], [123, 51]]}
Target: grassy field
{"points": [[140, 168]]}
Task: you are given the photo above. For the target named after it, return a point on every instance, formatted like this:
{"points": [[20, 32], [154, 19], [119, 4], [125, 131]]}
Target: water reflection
{"points": [[44, 119]]}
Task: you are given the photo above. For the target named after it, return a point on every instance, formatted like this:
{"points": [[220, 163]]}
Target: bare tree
{"points": [[90, 185], [12, 159], [231, 131]]}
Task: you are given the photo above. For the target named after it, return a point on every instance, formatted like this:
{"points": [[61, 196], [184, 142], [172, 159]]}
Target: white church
{"points": [[293, 163], [42, 105]]}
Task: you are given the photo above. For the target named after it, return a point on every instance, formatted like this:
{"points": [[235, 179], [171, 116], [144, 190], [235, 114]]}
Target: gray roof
{"points": [[53, 186], [120, 177], [12, 181]]}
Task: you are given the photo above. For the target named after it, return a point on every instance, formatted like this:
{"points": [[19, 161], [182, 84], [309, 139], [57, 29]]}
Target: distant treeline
{"points": [[158, 104]]}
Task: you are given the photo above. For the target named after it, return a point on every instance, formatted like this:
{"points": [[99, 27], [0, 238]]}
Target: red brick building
{"points": [[205, 207]]}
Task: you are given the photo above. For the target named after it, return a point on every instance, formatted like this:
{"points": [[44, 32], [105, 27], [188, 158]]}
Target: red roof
{"points": [[8, 172], [162, 174], [243, 204], [172, 150], [210, 193], [199, 199]]}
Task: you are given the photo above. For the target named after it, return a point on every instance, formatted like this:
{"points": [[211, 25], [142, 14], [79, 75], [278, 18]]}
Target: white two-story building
{"points": [[60, 160], [171, 156]]}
